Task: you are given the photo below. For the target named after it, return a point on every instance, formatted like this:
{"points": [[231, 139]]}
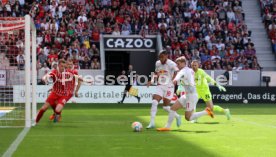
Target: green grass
{"points": [[104, 130]]}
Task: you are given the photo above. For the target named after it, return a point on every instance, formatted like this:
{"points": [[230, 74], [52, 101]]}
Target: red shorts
{"points": [[54, 99]]}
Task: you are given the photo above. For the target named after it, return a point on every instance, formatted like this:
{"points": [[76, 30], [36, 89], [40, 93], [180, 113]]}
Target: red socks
{"points": [[39, 115]]}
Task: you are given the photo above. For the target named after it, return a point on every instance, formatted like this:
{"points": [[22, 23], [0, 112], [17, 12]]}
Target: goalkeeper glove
{"points": [[221, 88]]}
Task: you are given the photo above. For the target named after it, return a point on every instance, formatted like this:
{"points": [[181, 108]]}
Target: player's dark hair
{"points": [[163, 52]]}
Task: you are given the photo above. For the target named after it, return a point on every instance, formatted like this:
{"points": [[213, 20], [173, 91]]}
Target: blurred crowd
{"points": [[268, 11], [212, 31]]}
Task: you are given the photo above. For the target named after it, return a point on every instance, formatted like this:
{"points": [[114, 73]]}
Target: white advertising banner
{"points": [[3, 77], [91, 94]]}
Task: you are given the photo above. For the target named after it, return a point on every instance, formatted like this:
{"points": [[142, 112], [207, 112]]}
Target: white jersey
{"points": [[186, 76], [165, 72]]}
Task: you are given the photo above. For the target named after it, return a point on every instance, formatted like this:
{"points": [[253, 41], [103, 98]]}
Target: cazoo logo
{"points": [[130, 43]]}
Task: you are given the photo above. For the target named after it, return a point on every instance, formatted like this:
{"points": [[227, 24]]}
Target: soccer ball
{"points": [[137, 126], [245, 101]]}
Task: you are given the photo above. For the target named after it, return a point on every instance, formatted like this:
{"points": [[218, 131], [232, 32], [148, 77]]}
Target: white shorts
{"points": [[188, 101], [165, 91]]}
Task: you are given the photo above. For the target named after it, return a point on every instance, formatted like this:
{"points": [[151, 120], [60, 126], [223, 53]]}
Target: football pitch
{"points": [[105, 130]]}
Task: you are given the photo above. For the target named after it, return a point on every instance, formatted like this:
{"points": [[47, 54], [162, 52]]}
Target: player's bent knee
{"points": [[59, 108], [176, 106], [187, 118], [210, 105], [173, 107], [156, 97], [45, 106], [166, 102]]}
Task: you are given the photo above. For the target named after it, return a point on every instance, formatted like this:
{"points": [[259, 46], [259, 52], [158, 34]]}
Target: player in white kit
{"points": [[187, 101], [165, 70]]}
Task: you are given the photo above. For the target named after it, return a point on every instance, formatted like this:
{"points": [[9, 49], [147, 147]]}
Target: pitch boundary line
{"points": [[9, 152]]}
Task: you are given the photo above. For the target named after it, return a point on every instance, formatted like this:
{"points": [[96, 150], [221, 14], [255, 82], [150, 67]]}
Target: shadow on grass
{"points": [[192, 131], [97, 136], [209, 123], [175, 145]]}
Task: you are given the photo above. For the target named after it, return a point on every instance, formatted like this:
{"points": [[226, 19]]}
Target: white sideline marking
{"points": [[16, 143], [254, 123]]}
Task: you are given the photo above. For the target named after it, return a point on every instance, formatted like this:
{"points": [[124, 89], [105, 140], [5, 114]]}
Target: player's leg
{"points": [[52, 116], [190, 114], [195, 120], [123, 99], [60, 105], [58, 110], [155, 100], [127, 88], [203, 94], [172, 114], [49, 101], [138, 98], [207, 97], [217, 108], [169, 91], [167, 108], [41, 111]]}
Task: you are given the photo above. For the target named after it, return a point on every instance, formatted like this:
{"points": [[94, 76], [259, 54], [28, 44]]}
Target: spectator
{"points": [[42, 58], [86, 64], [116, 31], [125, 32], [126, 26], [249, 52], [4, 61], [95, 64], [95, 35], [20, 60], [45, 69], [199, 29], [54, 65], [52, 56]]}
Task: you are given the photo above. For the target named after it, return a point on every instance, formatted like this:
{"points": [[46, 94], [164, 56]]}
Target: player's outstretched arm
{"points": [[208, 78], [78, 88], [212, 81], [178, 77], [78, 78], [46, 78]]}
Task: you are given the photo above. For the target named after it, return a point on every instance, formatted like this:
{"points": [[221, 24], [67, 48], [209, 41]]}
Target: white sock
{"points": [[153, 111], [168, 109], [196, 115], [172, 115]]}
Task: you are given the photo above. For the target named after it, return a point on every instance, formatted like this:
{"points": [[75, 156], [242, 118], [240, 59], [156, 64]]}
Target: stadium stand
{"points": [[211, 31], [268, 11]]}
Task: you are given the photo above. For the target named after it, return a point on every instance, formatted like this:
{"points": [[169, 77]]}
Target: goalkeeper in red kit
{"points": [[63, 89]]}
